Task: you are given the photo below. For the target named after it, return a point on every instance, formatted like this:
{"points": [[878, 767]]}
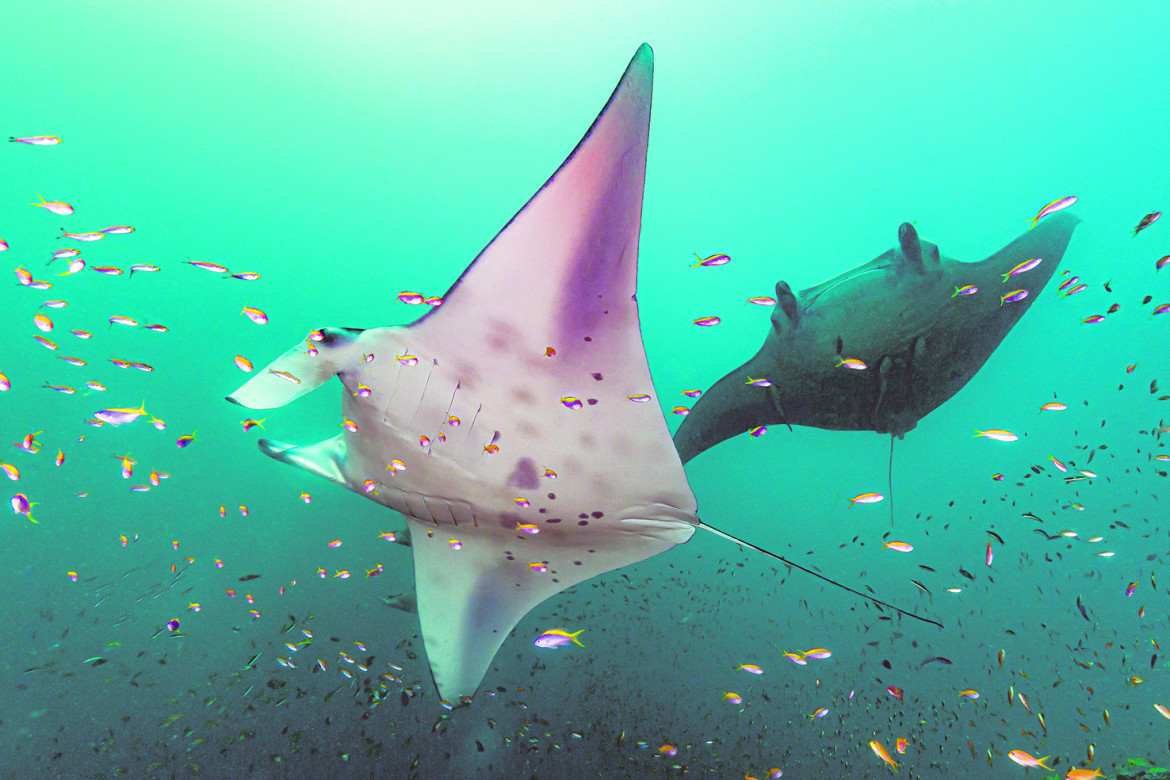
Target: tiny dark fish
{"points": [[924, 567], [966, 573], [998, 538], [479, 746], [249, 577], [1031, 516], [1147, 299], [922, 587], [934, 659], [887, 664], [1081, 607]]}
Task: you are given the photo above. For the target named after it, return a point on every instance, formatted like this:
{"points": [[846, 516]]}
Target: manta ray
{"points": [[880, 346], [515, 426]]}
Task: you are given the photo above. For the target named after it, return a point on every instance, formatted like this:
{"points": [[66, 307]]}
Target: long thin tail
{"points": [[890, 480], [785, 561]]}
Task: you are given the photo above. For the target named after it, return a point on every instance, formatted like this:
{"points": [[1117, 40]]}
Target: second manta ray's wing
{"points": [[516, 425]]}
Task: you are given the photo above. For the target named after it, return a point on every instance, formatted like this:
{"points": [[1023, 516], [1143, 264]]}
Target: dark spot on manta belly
{"points": [[524, 475], [597, 376]]}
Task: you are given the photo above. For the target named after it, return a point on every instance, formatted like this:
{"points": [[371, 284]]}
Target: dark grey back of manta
{"points": [[899, 315]]}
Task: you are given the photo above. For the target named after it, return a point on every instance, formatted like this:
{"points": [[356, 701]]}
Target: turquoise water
{"points": [[345, 154]]}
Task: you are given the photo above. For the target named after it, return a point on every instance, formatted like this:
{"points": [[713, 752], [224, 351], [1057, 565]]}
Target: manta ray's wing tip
{"points": [[232, 400]]}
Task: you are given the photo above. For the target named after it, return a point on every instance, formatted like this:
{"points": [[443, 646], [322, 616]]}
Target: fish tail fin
{"points": [[1033, 220], [955, 293], [696, 254], [574, 636], [1041, 761]]}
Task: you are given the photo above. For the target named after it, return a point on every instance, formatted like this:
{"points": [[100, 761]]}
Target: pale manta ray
{"points": [[461, 419]]}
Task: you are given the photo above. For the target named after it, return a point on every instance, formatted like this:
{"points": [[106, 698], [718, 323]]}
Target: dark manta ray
{"points": [[520, 472], [903, 316]]}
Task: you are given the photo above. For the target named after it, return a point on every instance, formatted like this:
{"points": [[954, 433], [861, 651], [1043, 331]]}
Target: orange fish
{"points": [[881, 752]]}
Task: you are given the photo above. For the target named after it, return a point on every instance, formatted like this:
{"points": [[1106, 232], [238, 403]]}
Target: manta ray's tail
{"points": [[785, 561]]}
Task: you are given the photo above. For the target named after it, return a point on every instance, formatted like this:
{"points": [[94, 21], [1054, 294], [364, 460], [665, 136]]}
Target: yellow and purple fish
{"points": [[558, 637], [1054, 206], [36, 140], [119, 416], [712, 260], [706, 322], [758, 382], [1013, 296], [1147, 220], [1023, 267], [215, 268], [996, 434], [255, 315], [967, 289], [866, 498], [22, 506], [55, 206], [762, 300], [853, 363]]}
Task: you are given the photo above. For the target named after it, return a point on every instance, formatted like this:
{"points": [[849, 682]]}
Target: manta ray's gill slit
{"points": [[422, 396]]}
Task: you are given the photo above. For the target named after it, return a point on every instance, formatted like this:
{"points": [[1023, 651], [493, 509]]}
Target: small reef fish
{"points": [[712, 260], [706, 322], [1026, 760], [55, 206], [880, 751], [1023, 267], [967, 289], [36, 140], [997, 435], [1013, 297], [1054, 206], [119, 416], [558, 637], [853, 363], [1147, 220], [866, 498]]}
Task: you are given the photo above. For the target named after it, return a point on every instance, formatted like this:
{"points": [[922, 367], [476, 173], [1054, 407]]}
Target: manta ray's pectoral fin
{"points": [[303, 368], [323, 458]]}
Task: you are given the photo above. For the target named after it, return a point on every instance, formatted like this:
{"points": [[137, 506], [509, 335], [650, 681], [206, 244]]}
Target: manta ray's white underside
{"points": [[493, 533]]}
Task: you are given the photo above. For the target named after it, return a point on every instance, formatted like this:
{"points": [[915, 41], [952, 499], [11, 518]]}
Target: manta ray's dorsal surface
{"points": [[512, 490], [910, 315]]}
